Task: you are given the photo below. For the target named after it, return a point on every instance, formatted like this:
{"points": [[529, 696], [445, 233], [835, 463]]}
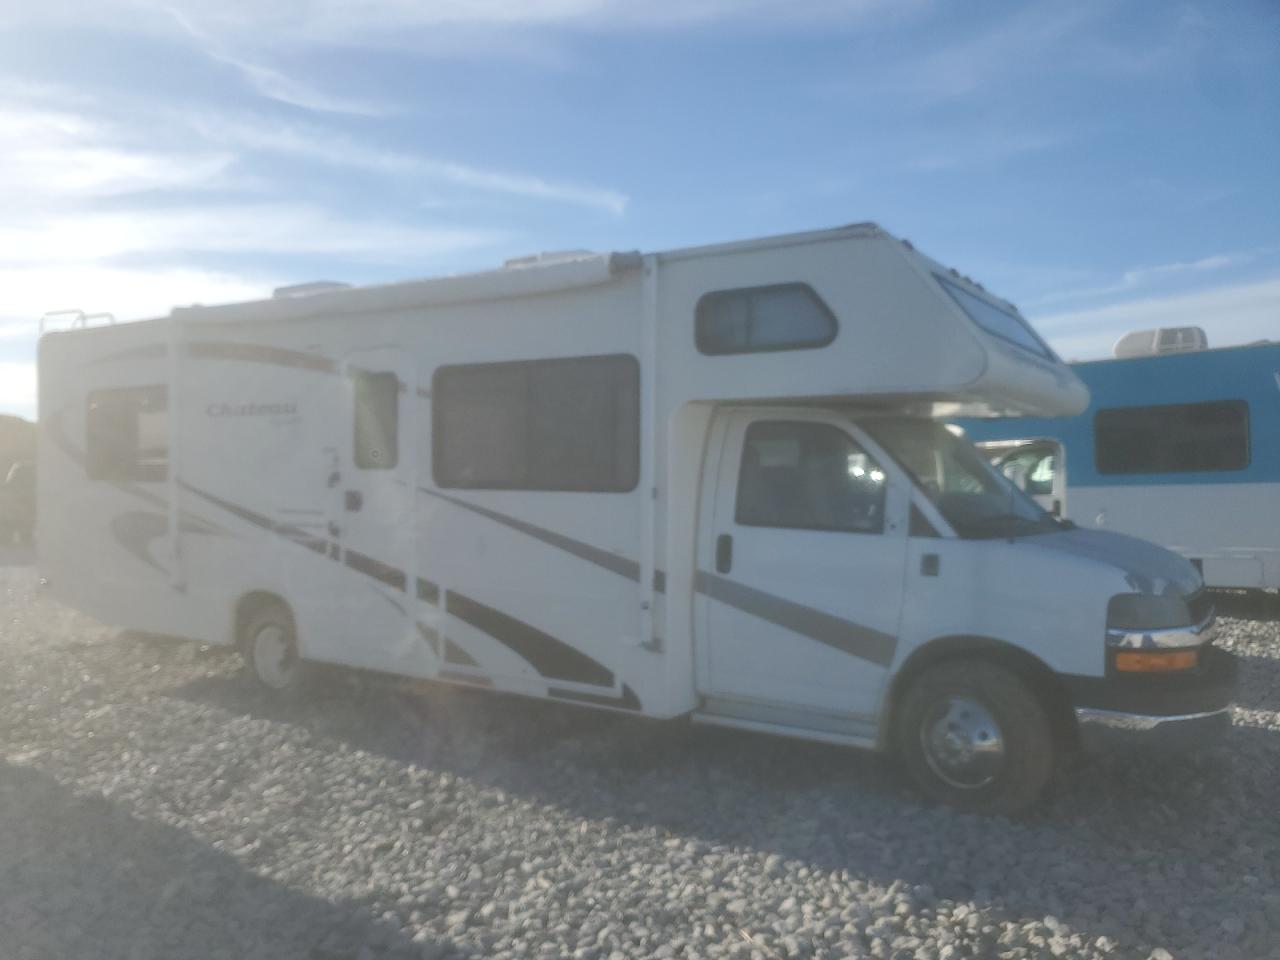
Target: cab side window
{"points": [[808, 476]]}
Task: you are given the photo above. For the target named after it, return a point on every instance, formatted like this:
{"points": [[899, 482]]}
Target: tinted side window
{"points": [[757, 319], [810, 476], [127, 434], [1005, 324], [1175, 438], [564, 424], [377, 419]]}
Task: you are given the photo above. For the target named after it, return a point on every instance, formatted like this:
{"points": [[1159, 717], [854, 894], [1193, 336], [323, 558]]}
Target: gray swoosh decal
{"points": [[135, 530], [431, 635], [55, 429], [230, 350], [845, 635], [260, 353], [601, 558]]}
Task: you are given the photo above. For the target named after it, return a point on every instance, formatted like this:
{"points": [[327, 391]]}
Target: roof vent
{"points": [[1150, 343], [546, 258], [308, 289]]}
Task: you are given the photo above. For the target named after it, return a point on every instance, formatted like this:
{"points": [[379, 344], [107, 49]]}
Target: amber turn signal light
{"points": [[1159, 662]]}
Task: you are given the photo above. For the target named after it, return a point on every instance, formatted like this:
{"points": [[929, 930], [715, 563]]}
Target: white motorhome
{"points": [[707, 483]]}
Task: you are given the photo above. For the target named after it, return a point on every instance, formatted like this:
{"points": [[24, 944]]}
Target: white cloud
{"points": [[1025, 41], [318, 145], [1231, 314], [53, 154], [18, 388], [987, 150], [238, 229], [1139, 277], [273, 84], [49, 154], [393, 21], [127, 293], [990, 60]]}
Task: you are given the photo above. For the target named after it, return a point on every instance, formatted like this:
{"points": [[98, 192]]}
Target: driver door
{"points": [[801, 566]]}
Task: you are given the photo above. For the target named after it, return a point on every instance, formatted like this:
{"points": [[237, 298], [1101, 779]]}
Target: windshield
{"points": [[976, 500]]}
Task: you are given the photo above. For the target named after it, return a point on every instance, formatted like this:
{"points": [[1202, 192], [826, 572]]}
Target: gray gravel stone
{"points": [[153, 806]]}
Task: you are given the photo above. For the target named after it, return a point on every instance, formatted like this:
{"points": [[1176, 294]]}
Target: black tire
{"points": [[974, 735], [268, 642]]}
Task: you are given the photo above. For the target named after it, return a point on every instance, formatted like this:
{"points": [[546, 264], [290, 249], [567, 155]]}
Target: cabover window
{"points": [[1005, 324], [1175, 438], [127, 434], [566, 424], [808, 476], [377, 419], [787, 316]]}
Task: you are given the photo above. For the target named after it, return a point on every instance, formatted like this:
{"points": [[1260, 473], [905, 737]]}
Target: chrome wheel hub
{"points": [[274, 659], [963, 744]]}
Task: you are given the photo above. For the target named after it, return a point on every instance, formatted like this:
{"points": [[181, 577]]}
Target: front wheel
{"points": [[269, 645], [975, 736]]}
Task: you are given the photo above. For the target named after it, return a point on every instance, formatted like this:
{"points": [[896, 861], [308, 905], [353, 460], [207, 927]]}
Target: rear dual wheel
{"points": [[975, 736], [269, 644]]}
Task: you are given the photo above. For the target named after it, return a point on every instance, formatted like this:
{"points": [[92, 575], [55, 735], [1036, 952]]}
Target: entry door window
{"points": [[808, 476], [377, 412]]}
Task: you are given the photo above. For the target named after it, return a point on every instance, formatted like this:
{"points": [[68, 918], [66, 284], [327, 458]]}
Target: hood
{"points": [[1148, 568]]}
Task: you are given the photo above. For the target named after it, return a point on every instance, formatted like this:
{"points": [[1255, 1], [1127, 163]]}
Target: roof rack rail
{"points": [[79, 319]]}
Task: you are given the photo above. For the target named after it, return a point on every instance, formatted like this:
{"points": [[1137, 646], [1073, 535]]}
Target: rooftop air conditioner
{"points": [[1149, 343]]}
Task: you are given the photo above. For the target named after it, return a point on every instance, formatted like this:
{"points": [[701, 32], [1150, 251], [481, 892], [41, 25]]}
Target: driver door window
{"points": [[808, 476]]}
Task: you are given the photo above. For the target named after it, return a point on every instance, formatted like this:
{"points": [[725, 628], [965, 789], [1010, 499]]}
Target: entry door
{"points": [[801, 573], [375, 493]]}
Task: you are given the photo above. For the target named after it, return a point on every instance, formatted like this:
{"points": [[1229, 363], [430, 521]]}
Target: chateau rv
{"points": [[712, 482]]}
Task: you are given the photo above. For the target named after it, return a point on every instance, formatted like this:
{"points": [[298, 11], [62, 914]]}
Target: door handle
{"points": [[353, 500], [1057, 508], [724, 553]]}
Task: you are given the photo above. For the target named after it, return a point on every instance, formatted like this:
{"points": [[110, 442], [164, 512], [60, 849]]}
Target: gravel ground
{"points": [[153, 806]]}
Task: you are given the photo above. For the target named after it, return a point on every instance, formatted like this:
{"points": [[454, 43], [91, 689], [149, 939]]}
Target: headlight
{"points": [[1145, 611]]}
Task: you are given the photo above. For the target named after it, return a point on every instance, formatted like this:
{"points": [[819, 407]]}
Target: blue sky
{"points": [[1105, 165]]}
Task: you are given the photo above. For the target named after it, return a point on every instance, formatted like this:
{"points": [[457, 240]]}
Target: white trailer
{"points": [[706, 482]]}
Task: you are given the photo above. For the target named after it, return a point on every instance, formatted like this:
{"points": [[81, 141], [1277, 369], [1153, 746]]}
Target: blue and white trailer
{"points": [[1182, 449]]}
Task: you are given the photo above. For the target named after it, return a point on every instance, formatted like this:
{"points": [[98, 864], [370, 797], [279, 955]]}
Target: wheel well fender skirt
{"points": [[248, 604], [1038, 675]]}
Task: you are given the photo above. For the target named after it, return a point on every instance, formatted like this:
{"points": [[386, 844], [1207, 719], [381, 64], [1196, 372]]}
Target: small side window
{"points": [[377, 416], [787, 316], [127, 434], [808, 476]]}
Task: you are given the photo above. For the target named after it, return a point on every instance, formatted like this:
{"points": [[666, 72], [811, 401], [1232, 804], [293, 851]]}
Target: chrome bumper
{"points": [[1103, 731], [1175, 638]]}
